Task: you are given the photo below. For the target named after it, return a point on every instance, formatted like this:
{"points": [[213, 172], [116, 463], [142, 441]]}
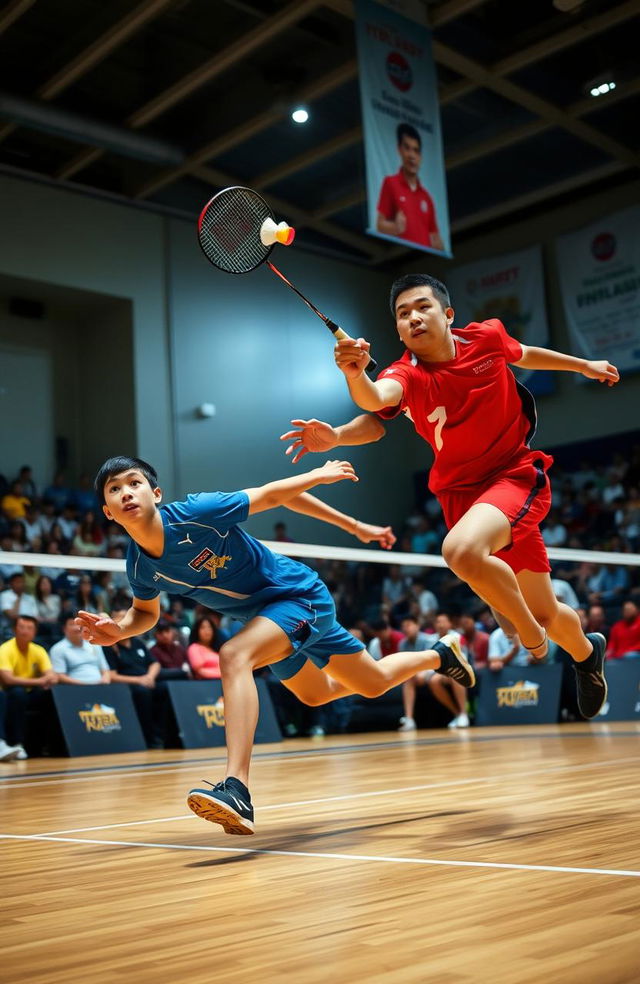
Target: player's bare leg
{"points": [[371, 678], [560, 621], [228, 803], [313, 686], [468, 550]]}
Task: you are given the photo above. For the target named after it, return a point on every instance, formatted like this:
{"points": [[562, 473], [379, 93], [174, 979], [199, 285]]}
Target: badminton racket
{"points": [[237, 232]]}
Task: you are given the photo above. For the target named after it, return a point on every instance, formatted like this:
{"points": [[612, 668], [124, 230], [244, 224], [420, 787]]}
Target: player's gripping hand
{"points": [[312, 435], [335, 471], [352, 356], [98, 629], [383, 535], [603, 371]]}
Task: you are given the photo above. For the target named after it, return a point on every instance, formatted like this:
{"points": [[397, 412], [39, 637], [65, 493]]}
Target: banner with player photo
{"points": [[599, 269], [509, 287], [406, 184]]}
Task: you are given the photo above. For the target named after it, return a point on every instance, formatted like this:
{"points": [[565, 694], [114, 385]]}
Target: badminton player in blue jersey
{"points": [[198, 549]]}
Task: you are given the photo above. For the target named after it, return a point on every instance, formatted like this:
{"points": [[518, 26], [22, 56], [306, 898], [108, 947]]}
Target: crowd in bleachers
{"points": [[594, 507]]}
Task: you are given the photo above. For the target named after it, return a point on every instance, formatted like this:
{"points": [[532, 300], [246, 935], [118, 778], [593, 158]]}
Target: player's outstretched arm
{"points": [[279, 493], [308, 505], [315, 435], [541, 358], [352, 357], [104, 631]]}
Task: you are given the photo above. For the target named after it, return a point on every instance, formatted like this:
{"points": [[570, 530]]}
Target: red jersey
{"points": [[396, 195], [624, 638], [471, 410]]}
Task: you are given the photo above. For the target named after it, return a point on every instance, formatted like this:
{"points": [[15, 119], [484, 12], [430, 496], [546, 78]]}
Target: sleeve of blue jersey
{"points": [[222, 510], [145, 592]]}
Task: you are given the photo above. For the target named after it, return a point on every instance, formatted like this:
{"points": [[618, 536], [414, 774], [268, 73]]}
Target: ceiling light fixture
{"points": [[601, 89], [300, 115]]}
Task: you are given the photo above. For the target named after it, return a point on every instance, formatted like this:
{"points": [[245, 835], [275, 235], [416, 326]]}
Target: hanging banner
{"points": [[509, 287], [599, 271], [406, 185]]}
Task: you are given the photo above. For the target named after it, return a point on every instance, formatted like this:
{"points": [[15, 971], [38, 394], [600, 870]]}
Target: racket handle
{"points": [[339, 332]]}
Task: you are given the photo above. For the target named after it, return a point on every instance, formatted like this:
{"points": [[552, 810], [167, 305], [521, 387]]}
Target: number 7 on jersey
{"points": [[439, 418]]}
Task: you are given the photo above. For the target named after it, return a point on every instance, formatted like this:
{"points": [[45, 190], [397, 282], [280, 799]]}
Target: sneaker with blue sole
{"points": [[452, 660], [591, 684], [227, 803]]}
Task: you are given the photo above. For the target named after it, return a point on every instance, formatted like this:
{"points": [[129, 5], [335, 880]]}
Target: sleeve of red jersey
{"points": [[511, 348], [401, 373], [385, 201]]}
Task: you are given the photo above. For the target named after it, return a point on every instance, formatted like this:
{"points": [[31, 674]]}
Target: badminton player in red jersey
{"points": [[456, 386]]}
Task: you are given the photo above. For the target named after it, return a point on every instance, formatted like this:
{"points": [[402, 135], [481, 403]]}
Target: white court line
{"points": [[332, 856], [505, 777]]}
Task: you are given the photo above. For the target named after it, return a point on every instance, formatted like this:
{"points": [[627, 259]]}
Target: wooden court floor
{"points": [[497, 855]]}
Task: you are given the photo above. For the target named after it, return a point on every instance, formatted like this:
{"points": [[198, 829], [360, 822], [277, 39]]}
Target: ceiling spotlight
{"points": [[300, 115], [601, 88]]}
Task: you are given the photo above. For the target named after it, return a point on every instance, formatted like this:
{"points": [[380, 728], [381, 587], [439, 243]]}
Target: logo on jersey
{"points": [[209, 561], [423, 206], [482, 366]]}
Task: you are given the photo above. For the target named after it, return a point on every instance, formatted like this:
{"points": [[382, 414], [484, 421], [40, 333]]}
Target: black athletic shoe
{"points": [[592, 686], [227, 803], [452, 661]]}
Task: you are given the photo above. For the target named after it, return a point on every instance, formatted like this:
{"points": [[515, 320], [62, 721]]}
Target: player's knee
{"points": [[547, 616], [232, 657], [462, 557], [374, 688]]}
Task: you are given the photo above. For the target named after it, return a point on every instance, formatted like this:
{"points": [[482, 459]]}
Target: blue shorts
{"points": [[313, 630]]}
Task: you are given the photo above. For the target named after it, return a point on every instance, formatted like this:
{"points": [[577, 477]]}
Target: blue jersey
{"points": [[209, 558]]}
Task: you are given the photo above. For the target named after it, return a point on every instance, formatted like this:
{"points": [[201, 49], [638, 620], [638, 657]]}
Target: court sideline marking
{"points": [[505, 777], [617, 872]]}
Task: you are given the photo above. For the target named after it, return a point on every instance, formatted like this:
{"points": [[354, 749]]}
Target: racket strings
{"points": [[230, 230]]}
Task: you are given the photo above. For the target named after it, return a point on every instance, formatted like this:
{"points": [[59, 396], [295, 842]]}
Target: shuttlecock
{"points": [[271, 233]]}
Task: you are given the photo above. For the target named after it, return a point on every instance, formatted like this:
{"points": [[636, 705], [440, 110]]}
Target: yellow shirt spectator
{"points": [[29, 665], [13, 506]]}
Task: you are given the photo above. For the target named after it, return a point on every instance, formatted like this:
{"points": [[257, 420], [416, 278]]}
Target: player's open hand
{"points": [[401, 223], [311, 435], [383, 535], [336, 471], [603, 371], [98, 629], [352, 356]]}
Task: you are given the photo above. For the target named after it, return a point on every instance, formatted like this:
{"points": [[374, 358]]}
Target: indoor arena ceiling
{"points": [[164, 101]]}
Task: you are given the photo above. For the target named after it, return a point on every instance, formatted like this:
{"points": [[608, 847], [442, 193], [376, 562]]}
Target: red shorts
{"points": [[523, 494]]}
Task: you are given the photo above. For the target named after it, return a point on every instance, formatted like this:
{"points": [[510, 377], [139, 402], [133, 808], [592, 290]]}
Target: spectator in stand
{"points": [[14, 503], [88, 538], [6, 570], [613, 491], [425, 539], [58, 493], [77, 661], [84, 497], [19, 541], [130, 663], [57, 536], [608, 585], [385, 639], [47, 518], [624, 640], [487, 620], [627, 519], [554, 533], [395, 591], [103, 591], [115, 536], [7, 752], [15, 601], [32, 526], [475, 640], [204, 660], [169, 652], [280, 534], [26, 675], [504, 650], [445, 690], [25, 478], [414, 641], [68, 523], [49, 605], [85, 599], [119, 578], [52, 549], [597, 620], [427, 601], [564, 593]]}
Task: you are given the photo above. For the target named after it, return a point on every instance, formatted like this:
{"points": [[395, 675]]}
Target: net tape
{"points": [[229, 231]]}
